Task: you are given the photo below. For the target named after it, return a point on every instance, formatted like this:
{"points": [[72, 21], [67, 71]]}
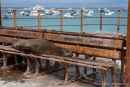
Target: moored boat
{"points": [[35, 13], [68, 15], [108, 12]]}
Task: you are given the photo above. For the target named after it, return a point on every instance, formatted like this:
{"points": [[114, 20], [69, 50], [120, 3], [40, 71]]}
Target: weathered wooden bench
{"points": [[98, 45], [104, 45]]}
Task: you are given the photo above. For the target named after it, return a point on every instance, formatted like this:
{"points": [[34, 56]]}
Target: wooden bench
{"points": [[98, 45], [102, 45]]}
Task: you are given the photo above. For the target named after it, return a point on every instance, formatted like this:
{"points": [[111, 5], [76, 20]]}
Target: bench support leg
{"points": [[28, 65], [77, 69], [113, 76], [122, 68], [94, 70], [5, 60], [16, 59], [38, 66], [67, 73], [56, 64], [103, 78], [48, 65], [85, 68]]}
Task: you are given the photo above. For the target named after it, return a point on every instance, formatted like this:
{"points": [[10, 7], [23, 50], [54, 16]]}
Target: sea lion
{"points": [[41, 46]]}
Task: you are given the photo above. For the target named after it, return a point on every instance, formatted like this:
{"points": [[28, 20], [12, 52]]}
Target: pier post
{"points": [[61, 22], [81, 21], [118, 21], [127, 68], [14, 18], [39, 21], [100, 20]]}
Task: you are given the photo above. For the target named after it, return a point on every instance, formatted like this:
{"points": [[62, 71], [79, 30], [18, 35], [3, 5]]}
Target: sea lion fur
{"points": [[41, 46]]}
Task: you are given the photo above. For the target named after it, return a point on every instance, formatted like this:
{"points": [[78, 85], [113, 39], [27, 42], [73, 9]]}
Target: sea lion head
{"points": [[17, 46], [66, 53], [21, 45]]}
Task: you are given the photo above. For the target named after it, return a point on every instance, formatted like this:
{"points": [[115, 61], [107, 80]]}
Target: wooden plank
{"points": [[111, 54], [9, 40], [110, 43], [109, 35], [24, 34]]}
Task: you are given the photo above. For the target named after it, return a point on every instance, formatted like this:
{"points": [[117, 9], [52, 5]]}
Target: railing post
{"points": [[61, 22], [100, 20], [127, 68], [14, 18], [81, 21], [118, 21], [39, 21]]}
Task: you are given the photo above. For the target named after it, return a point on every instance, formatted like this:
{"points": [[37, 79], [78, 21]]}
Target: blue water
{"points": [[71, 21]]}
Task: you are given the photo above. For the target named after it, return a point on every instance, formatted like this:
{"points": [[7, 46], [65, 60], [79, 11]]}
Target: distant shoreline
{"points": [[18, 8]]}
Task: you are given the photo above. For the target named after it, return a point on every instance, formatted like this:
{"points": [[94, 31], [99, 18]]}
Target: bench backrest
{"points": [[90, 45], [11, 35], [101, 45]]}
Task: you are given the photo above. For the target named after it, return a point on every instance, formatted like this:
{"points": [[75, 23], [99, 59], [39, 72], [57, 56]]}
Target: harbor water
{"points": [[75, 21]]}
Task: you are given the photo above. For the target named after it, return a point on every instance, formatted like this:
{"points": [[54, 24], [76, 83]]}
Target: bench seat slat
{"points": [[72, 59]]}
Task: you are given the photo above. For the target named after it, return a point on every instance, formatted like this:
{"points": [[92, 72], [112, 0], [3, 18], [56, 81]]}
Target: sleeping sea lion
{"points": [[41, 46]]}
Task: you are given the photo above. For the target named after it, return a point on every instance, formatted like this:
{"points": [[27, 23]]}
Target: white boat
{"points": [[108, 12], [90, 13], [74, 13], [9, 13], [35, 13], [48, 12], [68, 15], [37, 7], [51, 12], [23, 13], [55, 12]]}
